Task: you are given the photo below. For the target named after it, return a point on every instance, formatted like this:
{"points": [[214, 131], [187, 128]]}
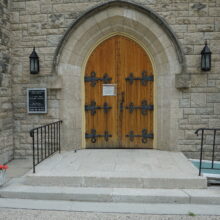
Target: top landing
{"points": [[119, 168]]}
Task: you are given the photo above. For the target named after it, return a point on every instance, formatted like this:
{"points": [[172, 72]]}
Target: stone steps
{"points": [[113, 177], [118, 182], [112, 207], [118, 169], [116, 195]]}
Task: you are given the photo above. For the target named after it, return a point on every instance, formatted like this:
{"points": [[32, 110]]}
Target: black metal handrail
{"points": [[213, 147], [45, 141]]}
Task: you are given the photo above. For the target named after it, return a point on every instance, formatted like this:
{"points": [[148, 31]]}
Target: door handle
{"points": [[122, 101]]}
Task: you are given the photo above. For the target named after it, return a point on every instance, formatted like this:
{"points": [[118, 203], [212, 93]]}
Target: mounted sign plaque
{"points": [[109, 89], [37, 100]]}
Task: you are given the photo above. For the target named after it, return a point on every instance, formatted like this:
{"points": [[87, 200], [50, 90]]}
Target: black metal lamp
{"points": [[34, 62], [206, 58]]}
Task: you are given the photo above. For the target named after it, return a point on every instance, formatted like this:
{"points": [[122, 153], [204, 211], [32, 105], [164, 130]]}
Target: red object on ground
{"points": [[3, 167]]}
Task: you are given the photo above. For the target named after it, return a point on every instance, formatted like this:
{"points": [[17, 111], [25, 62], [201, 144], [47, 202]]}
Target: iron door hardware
{"points": [[144, 107], [93, 79], [92, 107], [144, 79], [122, 101], [144, 135], [93, 136]]}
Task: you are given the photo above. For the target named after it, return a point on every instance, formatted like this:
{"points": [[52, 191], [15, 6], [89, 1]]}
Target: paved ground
{"points": [[108, 163], [21, 214], [19, 167], [118, 163]]}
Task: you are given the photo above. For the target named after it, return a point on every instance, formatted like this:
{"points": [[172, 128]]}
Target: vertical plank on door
{"points": [[101, 61]]}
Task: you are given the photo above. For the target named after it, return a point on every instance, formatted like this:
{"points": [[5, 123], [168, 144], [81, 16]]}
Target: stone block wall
{"points": [[200, 102], [6, 116], [42, 23]]}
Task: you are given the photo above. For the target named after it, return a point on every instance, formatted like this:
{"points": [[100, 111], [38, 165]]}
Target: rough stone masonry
{"points": [[42, 23], [6, 111]]}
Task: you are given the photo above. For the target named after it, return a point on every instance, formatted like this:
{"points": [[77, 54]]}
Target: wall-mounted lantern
{"points": [[34, 62], [206, 58]]}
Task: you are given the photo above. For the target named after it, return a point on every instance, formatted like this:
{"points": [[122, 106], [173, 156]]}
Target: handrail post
{"points": [[45, 143], [59, 137], [32, 135], [41, 140], [48, 139], [201, 151], [213, 149], [51, 138], [54, 138], [38, 158]]}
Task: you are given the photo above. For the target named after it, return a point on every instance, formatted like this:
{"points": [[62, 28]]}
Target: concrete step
{"points": [[118, 169], [117, 195], [118, 182], [111, 207]]}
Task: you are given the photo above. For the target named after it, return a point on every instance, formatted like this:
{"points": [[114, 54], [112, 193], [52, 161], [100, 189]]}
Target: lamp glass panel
{"points": [[207, 62], [203, 62], [32, 65]]}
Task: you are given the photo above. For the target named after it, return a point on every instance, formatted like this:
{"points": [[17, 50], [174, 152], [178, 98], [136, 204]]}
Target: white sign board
{"points": [[109, 90]]}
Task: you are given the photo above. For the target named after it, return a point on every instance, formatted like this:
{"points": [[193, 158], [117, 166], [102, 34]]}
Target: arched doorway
{"points": [[119, 95], [153, 34]]}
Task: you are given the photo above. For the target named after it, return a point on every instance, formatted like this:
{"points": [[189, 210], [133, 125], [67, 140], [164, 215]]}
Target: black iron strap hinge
{"points": [[144, 135], [92, 107], [93, 136], [144, 79], [93, 79], [144, 107]]}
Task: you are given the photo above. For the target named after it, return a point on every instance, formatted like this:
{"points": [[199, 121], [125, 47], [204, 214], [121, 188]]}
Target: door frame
{"points": [[83, 84]]}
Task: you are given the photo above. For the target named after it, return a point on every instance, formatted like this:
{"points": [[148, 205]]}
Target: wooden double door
{"points": [[119, 96]]}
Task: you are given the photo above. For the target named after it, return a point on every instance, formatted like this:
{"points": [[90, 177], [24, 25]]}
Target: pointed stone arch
{"points": [[152, 33], [129, 5]]}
